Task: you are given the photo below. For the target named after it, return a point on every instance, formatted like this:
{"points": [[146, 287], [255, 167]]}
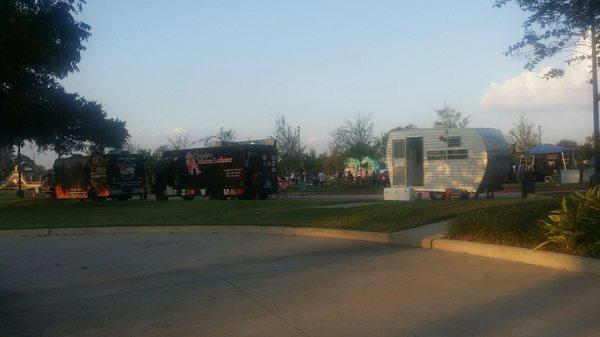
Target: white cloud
{"points": [[562, 107], [529, 91]]}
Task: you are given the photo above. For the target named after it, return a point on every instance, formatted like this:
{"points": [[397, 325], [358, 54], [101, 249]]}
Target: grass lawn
{"points": [[541, 186], [12, 194], [380, 217], [339, 188]]}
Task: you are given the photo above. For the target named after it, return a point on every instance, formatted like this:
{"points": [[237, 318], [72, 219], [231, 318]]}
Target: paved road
{"points": [[252, 285]]}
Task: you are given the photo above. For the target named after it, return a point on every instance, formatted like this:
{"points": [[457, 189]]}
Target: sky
{"points": [[169, 67]]}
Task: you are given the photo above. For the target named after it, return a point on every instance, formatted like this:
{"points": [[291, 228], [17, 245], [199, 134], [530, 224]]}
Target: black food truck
{"points": [[243, 170], [96, 177]]}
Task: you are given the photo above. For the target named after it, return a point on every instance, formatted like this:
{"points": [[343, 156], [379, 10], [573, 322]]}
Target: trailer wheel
{"points": [[436, 195]]}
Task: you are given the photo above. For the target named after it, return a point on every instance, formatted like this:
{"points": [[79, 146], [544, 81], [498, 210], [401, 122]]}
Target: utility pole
{"points": [[595, 178], [20, 190]]}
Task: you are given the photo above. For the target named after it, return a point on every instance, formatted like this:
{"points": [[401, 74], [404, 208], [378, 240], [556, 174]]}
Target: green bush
{"points": [[575, 227], [514, 225]]}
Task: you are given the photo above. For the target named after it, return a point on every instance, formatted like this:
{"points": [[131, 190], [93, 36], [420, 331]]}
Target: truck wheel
{"points": [[92, 195], [123, 197], [216, 193], [160, 195]]}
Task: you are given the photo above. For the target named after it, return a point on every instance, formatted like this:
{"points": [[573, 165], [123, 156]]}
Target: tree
{"points": [[556, 26], [179, 141], [523, 135], [586, 150], [40, 43], [381, 142], [288, 144], [449, 118], [226, 136], [354, 138], [568, 143], [7, 160]]}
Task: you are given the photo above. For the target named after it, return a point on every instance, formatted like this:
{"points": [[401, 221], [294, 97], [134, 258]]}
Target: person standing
{"points": [[522, 176], [302, 181], [321, 178]]}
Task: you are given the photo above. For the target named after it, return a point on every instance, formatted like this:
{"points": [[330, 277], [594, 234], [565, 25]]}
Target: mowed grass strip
{"points": [[378, 217]]}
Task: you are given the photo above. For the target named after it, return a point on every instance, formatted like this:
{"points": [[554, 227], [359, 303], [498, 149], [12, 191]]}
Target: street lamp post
{"points": [[595, 178]]}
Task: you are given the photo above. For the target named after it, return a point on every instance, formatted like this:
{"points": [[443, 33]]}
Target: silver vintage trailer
{"points": [[433, 160]]}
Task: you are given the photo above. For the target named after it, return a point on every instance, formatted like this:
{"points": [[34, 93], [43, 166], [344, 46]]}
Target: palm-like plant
{"points": [[575, 227]]}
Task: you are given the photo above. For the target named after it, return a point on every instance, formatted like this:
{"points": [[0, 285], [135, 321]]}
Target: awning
{"points": [[546, 149]]}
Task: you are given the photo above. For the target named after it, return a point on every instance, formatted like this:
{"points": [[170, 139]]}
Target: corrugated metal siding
{"points": [[442, 174]]}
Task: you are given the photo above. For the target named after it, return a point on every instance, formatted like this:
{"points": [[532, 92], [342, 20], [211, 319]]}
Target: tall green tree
{"points": [[449, 117], [355, 138], [553, 27], [40, 43]]}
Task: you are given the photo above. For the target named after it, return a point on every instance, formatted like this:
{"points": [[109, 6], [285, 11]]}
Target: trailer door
{"points": [[414, 160], [399, 162]]}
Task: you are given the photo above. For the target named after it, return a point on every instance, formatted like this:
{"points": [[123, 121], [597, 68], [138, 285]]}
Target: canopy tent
{"points": [[549, 157], [547, 149], [12, 181]]}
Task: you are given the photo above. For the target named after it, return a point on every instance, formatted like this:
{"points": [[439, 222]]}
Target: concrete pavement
{"points": [[254, 285]]}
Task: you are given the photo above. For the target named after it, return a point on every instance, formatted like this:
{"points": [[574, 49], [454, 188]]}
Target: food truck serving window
{"points": [[399, 148]]}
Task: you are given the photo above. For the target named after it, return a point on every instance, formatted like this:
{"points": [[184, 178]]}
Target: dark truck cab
{"points": [[242, 170], [96, 177]]}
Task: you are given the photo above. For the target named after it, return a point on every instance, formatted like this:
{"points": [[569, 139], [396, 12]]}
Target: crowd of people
{"points": [[303, 180]]}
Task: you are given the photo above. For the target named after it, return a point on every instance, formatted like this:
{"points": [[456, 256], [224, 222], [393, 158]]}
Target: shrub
{"points": [[575, 227], [513, 224]]}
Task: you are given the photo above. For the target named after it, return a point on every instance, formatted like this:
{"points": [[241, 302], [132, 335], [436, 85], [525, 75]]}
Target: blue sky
{"points": [[165, 66]]}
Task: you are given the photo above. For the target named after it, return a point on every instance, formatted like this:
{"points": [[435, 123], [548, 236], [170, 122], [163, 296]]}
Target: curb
{"points": [[266, 230], [422, 236], [429, 236], [523, 255]]}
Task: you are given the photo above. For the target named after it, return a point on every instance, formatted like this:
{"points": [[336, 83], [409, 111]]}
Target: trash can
{"points": [[527, 186], [530, 185]]}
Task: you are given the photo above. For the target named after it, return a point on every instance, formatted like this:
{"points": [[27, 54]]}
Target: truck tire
{"points": [[160, 195], [123, 197], [216, 193], [92, 195]]}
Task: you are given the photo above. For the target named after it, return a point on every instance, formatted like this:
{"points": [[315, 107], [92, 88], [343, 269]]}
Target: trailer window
{"points": [[436, 155], [399, 148], [454, 141], [458, 154]]}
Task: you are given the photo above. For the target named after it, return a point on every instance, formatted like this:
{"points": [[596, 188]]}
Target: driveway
{"points": [[254, 285]]}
